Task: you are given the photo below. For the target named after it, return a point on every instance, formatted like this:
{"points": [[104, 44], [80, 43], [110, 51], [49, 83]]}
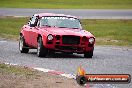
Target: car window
{"points": [[65, 22], [33, 20]]}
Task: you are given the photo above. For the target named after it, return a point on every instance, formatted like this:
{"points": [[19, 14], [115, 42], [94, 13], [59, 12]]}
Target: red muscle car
{"points": [[56, 32]]}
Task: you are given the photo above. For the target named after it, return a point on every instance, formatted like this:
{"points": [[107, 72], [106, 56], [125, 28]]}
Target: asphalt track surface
{"points": [[106, 60], [81, 13]]}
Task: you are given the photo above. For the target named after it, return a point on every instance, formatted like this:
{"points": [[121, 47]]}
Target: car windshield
{"points": [[62, 22]]}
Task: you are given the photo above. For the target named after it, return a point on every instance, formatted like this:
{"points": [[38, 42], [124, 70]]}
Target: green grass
{"points": [[17, 70], [107, 32], [10, 27], [110, 32], [68, 4]]}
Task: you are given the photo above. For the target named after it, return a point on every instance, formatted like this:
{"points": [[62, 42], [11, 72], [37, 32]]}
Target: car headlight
{"points": [[50, 37], [91, 40]]}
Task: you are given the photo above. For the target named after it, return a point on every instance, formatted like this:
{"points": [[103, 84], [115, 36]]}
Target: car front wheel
{"points": [[22, 45], [41, 50]]}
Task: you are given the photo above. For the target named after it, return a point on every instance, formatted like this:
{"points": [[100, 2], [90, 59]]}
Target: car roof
{"points": [[52, 14]]}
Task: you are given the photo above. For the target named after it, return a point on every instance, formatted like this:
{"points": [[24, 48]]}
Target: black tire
{"points": [[81, 80], [41, 50], [22, 45], [88, 54]]}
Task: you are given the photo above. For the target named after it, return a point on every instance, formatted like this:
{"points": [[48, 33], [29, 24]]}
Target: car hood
{"points": [[67, 31]]}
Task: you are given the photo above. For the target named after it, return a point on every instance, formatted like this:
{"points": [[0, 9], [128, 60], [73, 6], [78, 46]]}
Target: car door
{"points": [[25, 31], [33, 31]]}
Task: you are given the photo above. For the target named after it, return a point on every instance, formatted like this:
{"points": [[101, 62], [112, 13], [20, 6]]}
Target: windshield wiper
{"points": [[67, 27], [46, 25], [62, 27], [74, 28]]}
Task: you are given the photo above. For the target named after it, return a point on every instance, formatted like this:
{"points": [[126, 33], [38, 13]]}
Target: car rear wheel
{"points": [[41, 50], [88, 54], [22, 45]]}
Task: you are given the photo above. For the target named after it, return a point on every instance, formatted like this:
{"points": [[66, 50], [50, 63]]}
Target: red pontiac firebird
{"points": [[56, 32]]}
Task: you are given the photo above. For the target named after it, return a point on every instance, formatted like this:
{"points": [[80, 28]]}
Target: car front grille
{"points": [[68, 48], [70, 40]]}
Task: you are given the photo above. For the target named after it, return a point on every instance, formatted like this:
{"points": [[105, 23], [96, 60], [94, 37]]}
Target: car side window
{"points": [[33, 21]]}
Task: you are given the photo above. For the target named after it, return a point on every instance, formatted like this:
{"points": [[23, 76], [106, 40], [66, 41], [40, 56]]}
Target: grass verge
{"points": [[16, 70], [23, 77], [107, 32], [68, 4], [110, 32], [10, 27]]}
